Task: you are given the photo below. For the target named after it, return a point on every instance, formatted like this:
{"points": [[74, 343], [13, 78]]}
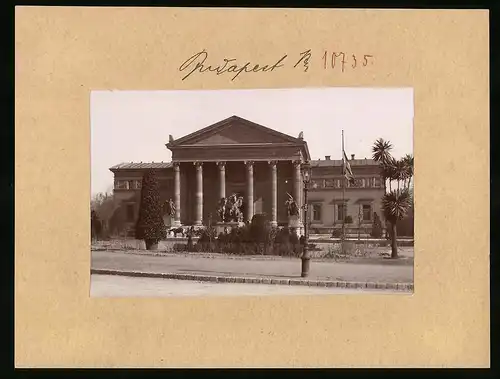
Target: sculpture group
{"points": [[292, 209], [231, 209]]}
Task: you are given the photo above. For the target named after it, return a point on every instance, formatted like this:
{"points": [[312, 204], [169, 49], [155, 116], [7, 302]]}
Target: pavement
{"points": [[123, 286], [276, 271]]}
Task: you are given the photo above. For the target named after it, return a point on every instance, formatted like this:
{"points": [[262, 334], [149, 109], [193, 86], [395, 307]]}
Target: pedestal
{"points": [[295, 223], [221, 227], [168, 220]]}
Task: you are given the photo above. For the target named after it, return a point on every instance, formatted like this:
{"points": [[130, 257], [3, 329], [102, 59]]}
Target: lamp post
{"points": [[306, 176]]}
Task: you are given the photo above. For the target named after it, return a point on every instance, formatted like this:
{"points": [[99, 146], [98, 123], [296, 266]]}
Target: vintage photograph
{"points": [[252, 192]]}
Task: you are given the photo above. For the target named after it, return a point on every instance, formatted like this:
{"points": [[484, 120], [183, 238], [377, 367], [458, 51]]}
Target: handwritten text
{"points": [[339, 61], [198, 63]]}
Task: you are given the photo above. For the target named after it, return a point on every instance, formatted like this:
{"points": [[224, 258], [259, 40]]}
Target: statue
{"points": [[237, 209], [169, 207], [230, 209], [292, 208], [170, 138], [222, 211], [301, 135]]}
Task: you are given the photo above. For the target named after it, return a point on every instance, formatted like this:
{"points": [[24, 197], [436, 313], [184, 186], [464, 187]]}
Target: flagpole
{"points": [[343, 194]]}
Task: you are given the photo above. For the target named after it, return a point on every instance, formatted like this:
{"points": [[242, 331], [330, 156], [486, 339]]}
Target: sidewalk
{"points": [[278, 271]]}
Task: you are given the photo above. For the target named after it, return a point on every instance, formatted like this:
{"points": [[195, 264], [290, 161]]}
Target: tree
{"points": [[95, 225], [397, 202], [408, 168], [105, 206], [377, 226], [396, 205], [150, 226], [381, 154]]}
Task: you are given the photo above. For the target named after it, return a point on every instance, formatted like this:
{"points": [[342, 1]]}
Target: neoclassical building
{"points": [[258, 163]]}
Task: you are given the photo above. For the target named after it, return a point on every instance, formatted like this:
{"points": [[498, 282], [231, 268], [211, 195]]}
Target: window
{"points": [[120, 184], [340, 212], [130, 212], [367, 212], [138, 184], [316, 212]]}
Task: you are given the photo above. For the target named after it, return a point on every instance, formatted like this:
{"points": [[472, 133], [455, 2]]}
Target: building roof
{"points": [[314, 163], [338, 162], [140, 165], [229, 121]]}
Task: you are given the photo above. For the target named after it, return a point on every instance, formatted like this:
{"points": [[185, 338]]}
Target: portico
{"points": [[236, 156]]}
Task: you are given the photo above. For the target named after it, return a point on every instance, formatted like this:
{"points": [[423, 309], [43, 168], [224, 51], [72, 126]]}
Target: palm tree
{"points": [[408, 163], [395, 205], [382, 154], [400, 172], [381, 150]]}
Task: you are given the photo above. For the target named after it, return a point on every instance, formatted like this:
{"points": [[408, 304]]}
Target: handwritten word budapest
{"points": [[198, 63], [330, 60]]}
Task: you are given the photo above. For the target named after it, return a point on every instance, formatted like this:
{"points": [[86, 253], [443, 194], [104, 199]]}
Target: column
{"points": [[222, 179], [274, 193], [297, 182], [249, 205], [177, 194], [199, 193]]}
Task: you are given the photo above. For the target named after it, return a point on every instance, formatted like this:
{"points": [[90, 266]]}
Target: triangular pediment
{"points": [[233, 131]]}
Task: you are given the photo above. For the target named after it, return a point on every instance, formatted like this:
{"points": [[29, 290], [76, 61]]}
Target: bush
{"points": [[150, 226], [383, 243], [95, 226], [258, 237], [377, 229], [287, 243], [207, 240], [406, 227], [179, 247], [337, 233], [258, 228]]}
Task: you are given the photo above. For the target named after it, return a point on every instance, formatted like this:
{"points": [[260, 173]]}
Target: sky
{"points": [[133, 126]]}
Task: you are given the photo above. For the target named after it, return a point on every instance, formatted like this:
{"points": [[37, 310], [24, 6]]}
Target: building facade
{"points": [[261, 165]]}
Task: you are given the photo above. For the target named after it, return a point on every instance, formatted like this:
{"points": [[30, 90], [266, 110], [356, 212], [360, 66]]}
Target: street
{"points": [[122, 286], [277, 268]]}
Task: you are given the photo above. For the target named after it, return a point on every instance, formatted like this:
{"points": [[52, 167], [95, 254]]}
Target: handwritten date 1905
{"points": [[341, 60]]}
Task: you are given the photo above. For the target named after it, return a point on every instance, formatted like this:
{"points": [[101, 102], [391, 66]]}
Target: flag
{"points": [[347, 169]]}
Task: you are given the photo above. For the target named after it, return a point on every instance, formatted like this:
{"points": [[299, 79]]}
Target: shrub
{"points": [[179, 247], [95, 226], [287, 243], [258, 228], [383, 243], [337, 233], [377, 226], [150, 226], [206, 240]]}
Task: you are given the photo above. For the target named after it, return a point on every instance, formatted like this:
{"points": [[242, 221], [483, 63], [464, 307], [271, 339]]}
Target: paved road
{"points": [[122, 286], [280, 268]]}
